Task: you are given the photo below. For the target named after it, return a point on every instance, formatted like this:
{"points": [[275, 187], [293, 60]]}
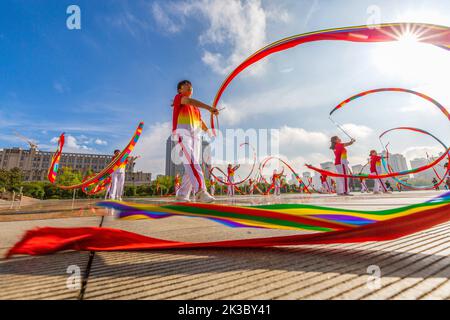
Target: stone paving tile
{"points": [[441, 292], [322, 274], [43, 277], [40, 277]]}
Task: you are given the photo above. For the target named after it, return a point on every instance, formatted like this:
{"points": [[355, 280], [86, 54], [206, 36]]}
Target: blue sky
{"points": [[122, 67]]}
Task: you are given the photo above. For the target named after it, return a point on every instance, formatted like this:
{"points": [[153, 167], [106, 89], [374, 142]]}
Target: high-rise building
{"points": [[329, 166], [34, 164], [397, 162], [426, 175], [440, 167]]}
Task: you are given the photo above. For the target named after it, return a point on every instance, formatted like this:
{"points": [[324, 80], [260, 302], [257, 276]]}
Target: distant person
{"points": [[212, 186], [341, 163], [177, 183], [333, 186], [231, 172], [435, 184], [276, 180], [388, 186], [251, 186], [325, 185], [375, 168], [364, 187], [447, 183], [117, 179]]}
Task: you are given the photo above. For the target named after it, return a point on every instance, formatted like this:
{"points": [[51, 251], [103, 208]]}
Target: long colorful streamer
{"points": [[112, 166], [330, 225], [388, 168], [54, 166], [369, 92], [426, 33]]}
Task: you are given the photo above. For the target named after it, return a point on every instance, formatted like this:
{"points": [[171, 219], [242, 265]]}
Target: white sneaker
{"points": [[181, 198], [203, 196]]}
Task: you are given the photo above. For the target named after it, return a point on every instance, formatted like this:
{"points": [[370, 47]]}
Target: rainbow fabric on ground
{"points": [[278, 216]]}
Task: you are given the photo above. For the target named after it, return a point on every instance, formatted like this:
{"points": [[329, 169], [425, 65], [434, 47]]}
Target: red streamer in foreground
{"points": [[50, 240]]}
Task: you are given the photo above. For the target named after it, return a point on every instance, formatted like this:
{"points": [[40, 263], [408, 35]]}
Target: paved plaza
{"points": [[413, 267]]}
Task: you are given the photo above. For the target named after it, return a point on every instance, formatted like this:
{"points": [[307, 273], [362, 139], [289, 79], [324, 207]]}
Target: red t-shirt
{"points": [[185, 116], [340, 153], [375, 161], [323, 178]]}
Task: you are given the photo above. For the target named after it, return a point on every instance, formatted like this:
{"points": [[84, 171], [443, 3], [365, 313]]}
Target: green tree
{"points": [[68, 177], [34, 190], [130, 191], [14, 179], [4, 176]]}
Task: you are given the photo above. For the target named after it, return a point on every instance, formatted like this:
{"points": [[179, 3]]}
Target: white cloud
{"points": [[60, 87], [100, 142], [421, 151], [279, 101], [163, 20], [72, 145], [152, 148], [357, 131], [296, 139], [236, 27], [287, 70], [235, 24]]}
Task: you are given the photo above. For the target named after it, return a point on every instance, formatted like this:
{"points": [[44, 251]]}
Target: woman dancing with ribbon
{"points": [[186, 129], [375, 168], [341, 163], [231, 185]]}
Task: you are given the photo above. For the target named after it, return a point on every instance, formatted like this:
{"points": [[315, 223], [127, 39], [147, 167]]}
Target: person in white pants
{"points": [[212, 186], [364, 187], [231, 171], [325, 185], [375, 168], [251, 186], [187, 127], [177, 184], [276, 179], [341, 163], [117, 180]]}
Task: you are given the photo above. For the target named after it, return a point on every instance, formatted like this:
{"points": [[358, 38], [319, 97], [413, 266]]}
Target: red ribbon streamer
{"points": [[50, 240]]}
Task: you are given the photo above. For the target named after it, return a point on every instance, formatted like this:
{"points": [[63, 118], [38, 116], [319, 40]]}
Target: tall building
{"points": [[174, 163], [426, 175], [440, 167], [34, 164], [173, 166], [329, 166], [397, 162]]}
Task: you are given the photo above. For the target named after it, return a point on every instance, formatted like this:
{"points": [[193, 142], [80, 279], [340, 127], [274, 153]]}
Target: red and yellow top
{"points": [[375, 161], [340, 154], [185, 116]]}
